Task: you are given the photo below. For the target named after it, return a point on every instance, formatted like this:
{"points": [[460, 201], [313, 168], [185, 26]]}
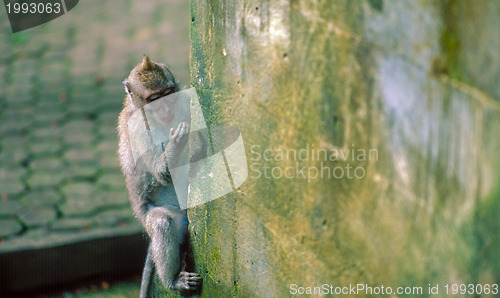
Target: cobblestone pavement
{"points": [[60, 95]]}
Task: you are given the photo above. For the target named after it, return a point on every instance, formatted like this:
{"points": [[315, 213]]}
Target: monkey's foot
{"points": [[188, 281]]}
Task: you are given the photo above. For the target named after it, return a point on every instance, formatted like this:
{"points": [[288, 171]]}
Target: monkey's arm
{"points": [[158, 162], [140, 183], [155, 162]]}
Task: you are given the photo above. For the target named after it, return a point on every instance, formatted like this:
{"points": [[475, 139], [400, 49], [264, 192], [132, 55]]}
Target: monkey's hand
{"points": [[178, 137], [178, 140], [188, 281]]}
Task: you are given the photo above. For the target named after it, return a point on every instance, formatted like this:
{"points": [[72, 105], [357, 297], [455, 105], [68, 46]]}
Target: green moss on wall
{"points": [[302, 75]]}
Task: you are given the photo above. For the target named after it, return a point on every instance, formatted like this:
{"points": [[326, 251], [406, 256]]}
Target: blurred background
{"points": [[64, 210]]}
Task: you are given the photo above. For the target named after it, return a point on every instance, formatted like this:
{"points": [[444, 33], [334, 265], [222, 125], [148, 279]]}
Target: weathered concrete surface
{"points": [[415, 80]]}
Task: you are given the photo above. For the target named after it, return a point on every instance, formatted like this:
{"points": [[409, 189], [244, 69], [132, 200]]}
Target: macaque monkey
{"points": [[149, 181]]}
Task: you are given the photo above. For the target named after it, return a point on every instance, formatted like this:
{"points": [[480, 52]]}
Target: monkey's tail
{"points": [[147, 276]]}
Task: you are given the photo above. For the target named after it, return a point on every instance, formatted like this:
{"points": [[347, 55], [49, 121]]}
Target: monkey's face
{"points": [[165, 112], [149, 81]]}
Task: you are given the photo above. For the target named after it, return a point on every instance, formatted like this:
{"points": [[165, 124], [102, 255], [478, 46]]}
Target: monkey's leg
{"points": [[147, 276], [164, 247], [165, 251]]}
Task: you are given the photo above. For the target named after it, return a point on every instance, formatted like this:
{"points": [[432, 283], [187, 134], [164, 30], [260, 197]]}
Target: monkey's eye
{"points": [[153, 97], [168, 91]]}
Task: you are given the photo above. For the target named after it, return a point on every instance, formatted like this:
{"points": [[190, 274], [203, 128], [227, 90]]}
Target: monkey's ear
{"points": [[127, 86], [146, 63], [129, 93]]}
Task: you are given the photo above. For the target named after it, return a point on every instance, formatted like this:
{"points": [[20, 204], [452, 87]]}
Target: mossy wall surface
{"points": [[414, 81]]}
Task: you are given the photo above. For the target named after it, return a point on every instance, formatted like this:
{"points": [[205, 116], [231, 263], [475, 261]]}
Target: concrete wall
{"points": [[414, 81]]}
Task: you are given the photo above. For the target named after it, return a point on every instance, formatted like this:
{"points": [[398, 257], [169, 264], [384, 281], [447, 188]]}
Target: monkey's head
{"points": [[149, 81]]}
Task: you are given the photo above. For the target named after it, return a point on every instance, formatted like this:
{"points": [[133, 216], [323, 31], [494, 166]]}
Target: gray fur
{"points": [[148, 187]]}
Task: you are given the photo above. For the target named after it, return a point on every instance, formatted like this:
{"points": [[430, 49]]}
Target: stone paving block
{"points": [[52, 70], [14, 89], [46, 147], [50, 83], [113, 103], [85, 87], [44, 180], [110, 68], [108, 146], [12, 172], [114, 198], [82, 110], [9, 157], [26, 79], [56, 53], [24, 112], [3, 70], [80, 155], [25, 66], [84, 65], [23, 116], [11, 187], [72, 224], [54, 94], [20, 111], [85, 51], [13, 142], [9, 207], [79, 190], [57, 39], [109, 161], [111, 182], [38, 217], [79, 207], [114, 86], [48, 118], [78, 125], [35, 234], [83, 70], [81, 199], [50, 107], [40, 238], [114, 217], [5, 55], [9, 227], [46, 132], [81, 171], [85, 99], [20, 96], [79, 138], [47, 197], [48, 112], [109, 117], [107, 132], [50, 164], [12, 126], [115, 8], [13, 158], [85, 104]]}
